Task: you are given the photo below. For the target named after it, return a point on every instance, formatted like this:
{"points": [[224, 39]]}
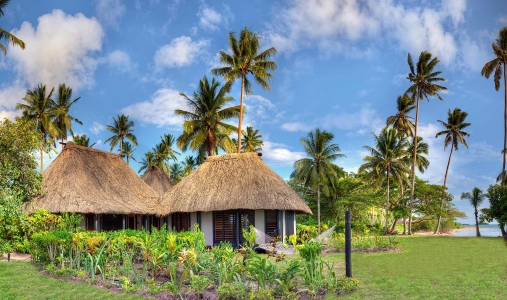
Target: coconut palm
{"points": [[128, 152], [454, 135], [122, 129], [387, 162], [189, 165], [7, 36], [421, 162], [496, 66], [167, 143], [423, 80], [40, 107], [318, 170], [82, 140], [148, 161], [176, 172], [204, 128], [245, 60], [402, 122], [63, 120], [251, 141], [476, 198], [161, 156]]}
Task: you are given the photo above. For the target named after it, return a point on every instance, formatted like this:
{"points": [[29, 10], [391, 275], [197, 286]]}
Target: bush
{"points": [[263, 294], [310, 251], [347, 285], [232, 291]]}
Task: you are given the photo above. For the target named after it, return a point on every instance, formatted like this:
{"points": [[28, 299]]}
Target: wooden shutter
{"points": [[90, 222], [271, 219], [224, 227], [180, 221], [289, 222], [112, 222]]}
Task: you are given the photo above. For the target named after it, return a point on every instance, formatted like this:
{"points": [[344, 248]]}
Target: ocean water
{"points": [[486, 230]]}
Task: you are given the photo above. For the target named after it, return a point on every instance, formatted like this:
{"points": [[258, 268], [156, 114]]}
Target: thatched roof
{"points": [[86, 180], [158, 180], [232, 181]]}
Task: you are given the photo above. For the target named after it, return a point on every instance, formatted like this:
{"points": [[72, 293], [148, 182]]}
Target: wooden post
{"points": [[96, 225], [124, 222], [348, 245]]}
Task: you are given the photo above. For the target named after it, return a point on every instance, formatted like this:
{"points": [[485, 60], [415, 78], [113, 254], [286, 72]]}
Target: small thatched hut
{"points": [[100, 186], [228, 192], [160, 182]]}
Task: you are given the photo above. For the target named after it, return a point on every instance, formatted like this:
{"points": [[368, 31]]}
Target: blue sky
{"points": [[341, 65]]}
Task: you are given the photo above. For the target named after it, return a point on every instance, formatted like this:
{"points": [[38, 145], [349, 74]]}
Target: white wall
{"points": [[207, 227], [193, 220], [260, 225]]}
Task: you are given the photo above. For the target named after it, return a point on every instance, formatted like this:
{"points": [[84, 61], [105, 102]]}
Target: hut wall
{"points": [[193, 220], [207, 227], [260, 225]]}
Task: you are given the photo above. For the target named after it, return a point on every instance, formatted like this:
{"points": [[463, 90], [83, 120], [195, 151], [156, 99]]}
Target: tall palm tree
{"points": [[128, 152], [82, 140], [167, 143], [122, 128], [251, 140], [245, 60], [454, 135], [176, 172], [7, 36], [387, 162], [423, 80], [148, 161], [421, 162], [318, 170], [40, 107], [63, 120], [402, 122], [161, 156], [189, 165], [476, 198], [204, 129], [498, 64]]}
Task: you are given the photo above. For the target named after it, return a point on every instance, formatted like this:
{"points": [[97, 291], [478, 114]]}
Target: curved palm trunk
{"points": [[318, 207], [41, 158], [504, 121], [62, 143], [445, 182], [121, 147], [387, 205], [476, 213], [413, 163], [241, 112]]}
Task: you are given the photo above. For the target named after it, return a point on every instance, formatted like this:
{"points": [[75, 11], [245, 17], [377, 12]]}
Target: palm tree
{"points": [[40, 107], [63, 120], [176, 172], [423, 80], [122, 129], [421, 162], [167, 144], [454, 135], [402, 122], [160, 156], [318, 171], [7, 36], [496, 66], [82, 140], [387, 160], [476, 198], [189, 165], [148, 161], [128, 150], [251, 140], [246, 60], [204, 129]]}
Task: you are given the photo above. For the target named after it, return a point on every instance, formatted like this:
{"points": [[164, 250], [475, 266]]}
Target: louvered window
{"points": [[180, 221], [90, 222], [289, 222], [224, 227], [111, 222], [271, 218]]}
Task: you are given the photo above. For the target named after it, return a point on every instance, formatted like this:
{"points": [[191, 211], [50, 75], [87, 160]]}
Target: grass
{"points": [[23, 280], [427, 268], [432, 268]]}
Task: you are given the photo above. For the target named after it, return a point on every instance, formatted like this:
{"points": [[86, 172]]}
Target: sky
{"points": [[340, 66]]}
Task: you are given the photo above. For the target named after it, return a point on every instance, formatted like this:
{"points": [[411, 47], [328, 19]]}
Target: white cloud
{"points": [[278, 154], [258, 105], [339, 25], [120, 60], [363, 93], [182, 51], [8, 114], [209, 18], [58, 50], [363, 121], [502, 20], [296, 126], [159, 110], [110, 11], [9, 97], [97, 128]]}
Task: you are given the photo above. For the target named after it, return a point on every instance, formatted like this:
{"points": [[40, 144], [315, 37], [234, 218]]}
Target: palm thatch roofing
{"points": [[232, 181], [86, 180], [158, 180]]}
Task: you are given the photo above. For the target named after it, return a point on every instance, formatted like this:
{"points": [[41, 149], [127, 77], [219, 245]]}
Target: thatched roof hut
{"points": [[158, 180], [87, 180], [230, 182]]}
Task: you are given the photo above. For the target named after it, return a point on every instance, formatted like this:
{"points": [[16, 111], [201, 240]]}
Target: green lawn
{"points": [[428, 268], [22, 280], [432, 268]]}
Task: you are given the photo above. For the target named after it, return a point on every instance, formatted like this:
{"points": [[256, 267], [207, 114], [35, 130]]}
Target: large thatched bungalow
{"points": [[100, 186], [226, 193], [160, 182]]}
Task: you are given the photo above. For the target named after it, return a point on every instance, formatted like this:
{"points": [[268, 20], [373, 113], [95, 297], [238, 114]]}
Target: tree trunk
{"points": [[62, 143], [404, 225], [504, 121], [387, 204], [393, 227], [121, 147], [445, 182], [413, 162], [241, 113], [41, 158], [318, 207], [477, 222]]}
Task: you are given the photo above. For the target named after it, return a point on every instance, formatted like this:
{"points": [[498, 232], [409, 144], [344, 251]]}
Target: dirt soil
{"points": [[17, 256]]}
